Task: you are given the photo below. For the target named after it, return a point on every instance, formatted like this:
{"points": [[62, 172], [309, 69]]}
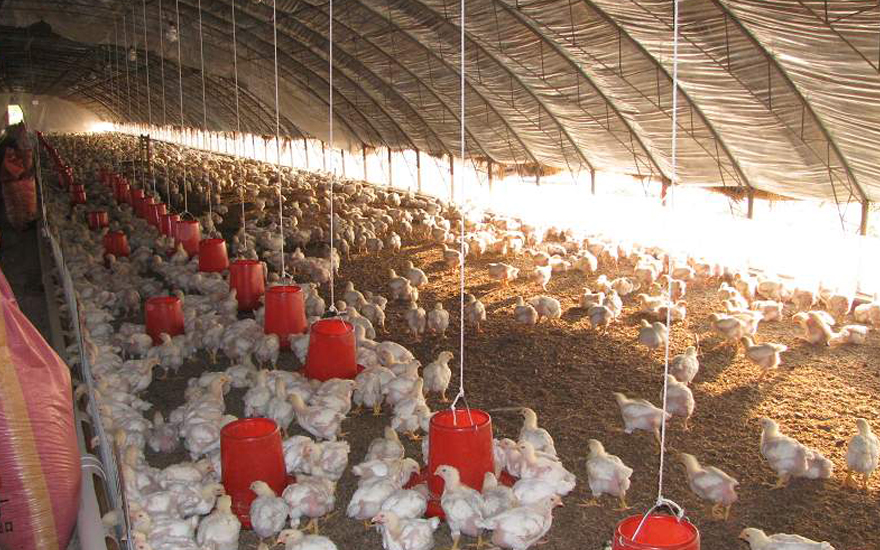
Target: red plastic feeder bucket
{"points": [[122, 192], [145, 206], [212, 255], [116, 243], [163, 314], [659, 532], [250, 450], [155, 213], [136, 198], [188, 233], [285, 312], [167, 223], [332, 350], [462, 439], [98, 219], [246, 277], [77, 194]]}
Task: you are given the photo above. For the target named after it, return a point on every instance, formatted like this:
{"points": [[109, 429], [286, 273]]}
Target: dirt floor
{"points": [[566, 372]]}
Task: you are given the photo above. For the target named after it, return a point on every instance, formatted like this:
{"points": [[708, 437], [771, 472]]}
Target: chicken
{"points": [[542, 275], [639, 414], [164, 437], [321, 422], [280, 409], [547, 307], [387, 447], [684, 367], [524, 313], [294, 539], [786, 456], [523, 526], [545, 468], [462, 506], [497, 498], [221, 528], [451, 257], [405, 534], [268, 512], [399, 286], [256, 399], [764, 355], [730, 328], [406, 503], [540, 438], [679, 399], [367, 500], [416, 276], [862, 454], [758, 540], [437, 375], [711, 484], [415, 320], [311, 497], [653, 335], [267, 350], [503, 272], [438, 320], [849, 334], [607, 475], [474, 311], [600, 316], [816, 327]]}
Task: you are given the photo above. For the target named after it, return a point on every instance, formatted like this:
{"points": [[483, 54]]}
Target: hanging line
{"points": [[461, 249], [180, 85], [205, 109], [149, 100], [238, 124], [137, 94], [660, 499], [278, 141], [164, 108], [127, 79], [117, 79], [332, 307]]}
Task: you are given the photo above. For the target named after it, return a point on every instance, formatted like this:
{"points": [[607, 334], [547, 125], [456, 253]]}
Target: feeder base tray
{"points": [[434, 509]]}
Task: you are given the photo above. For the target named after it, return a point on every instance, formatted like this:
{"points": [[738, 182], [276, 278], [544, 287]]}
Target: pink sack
{"points": [[39, 456]]}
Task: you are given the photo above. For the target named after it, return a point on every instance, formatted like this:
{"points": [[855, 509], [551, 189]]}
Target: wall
{"points": [[51, 114]]}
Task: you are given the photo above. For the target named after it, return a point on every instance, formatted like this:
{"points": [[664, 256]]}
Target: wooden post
{"points": [[863, 226], [306, 151], [390, 172], [593, 182], [419, 170], [751, 207], [324, 154], [364, 155], [490, 166], [451, 178]]}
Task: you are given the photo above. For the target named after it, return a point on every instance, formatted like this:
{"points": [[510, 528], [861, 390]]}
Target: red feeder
{"points": [[122, 192], [155, 213], [658, 532], [212, 255], [462, 439], [98, 219], [188, 233], [166, 224], [250, 450], [145, 206], [116, 243], [164, 314], [137, 197], [332, 351], [246, 277], [285, 312], [78, 194]]}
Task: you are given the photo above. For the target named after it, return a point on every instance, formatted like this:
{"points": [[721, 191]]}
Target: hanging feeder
{"points": [[248, 280], [285, 312], [98, 219], [163, 314], [188, 233], [137, 197], [77, 194], [332, 350], [122, 192], [116, 243], [155, 213], [145, 206], [656, 531], [212, 255], [250, 450], [167, 223]]}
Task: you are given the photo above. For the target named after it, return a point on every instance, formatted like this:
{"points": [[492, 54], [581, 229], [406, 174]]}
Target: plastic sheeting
{"points": [[39, 457]]}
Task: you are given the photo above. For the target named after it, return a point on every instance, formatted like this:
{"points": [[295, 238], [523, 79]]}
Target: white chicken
{"points": [[311, 497], [789, 458], [679, 399], [437, 375], [862, 454], [521, 527], [639, 414], [321, 422], [607, 475], [764, 355], [416, 320], [294, 539], [758, 540], [268, 512], [406, 503], [546, 306], [462, 506], [817, 329], [221, 528], [653, 335], [497, 498], [545, 468], [524, 313], [710, 483], [387, 447], [503, 272], [438, 320], [540, 438], [684, 367], [416, 276], [474, 312], [405, 534]]}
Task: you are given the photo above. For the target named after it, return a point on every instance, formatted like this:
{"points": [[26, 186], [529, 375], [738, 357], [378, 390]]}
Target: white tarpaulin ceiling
{"points": [[777, 95]]}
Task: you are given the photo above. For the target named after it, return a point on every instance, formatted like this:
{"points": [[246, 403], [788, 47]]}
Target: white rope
{"points": [[237, 122], [332, 175], [660, 499], [137, 93], [149, 97], [127, 80], [205, 107], [278, 140], [461, 249], [164, 108], [180, 86]]}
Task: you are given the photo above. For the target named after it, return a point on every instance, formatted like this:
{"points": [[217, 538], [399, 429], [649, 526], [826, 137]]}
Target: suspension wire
{"points": [[205, 109], [180, 86], [149, 99], [332, 176], [238, 123], [137, 93], [660, 499], [278, 141], [127, 80], [461, 250], [164, 108], [115, 83]]}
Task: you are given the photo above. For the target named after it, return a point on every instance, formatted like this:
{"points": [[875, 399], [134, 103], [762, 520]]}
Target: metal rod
{"points": [[364, 153], [593, 182], [419, 170], [751, 213], [390, 171], [866, 212]]}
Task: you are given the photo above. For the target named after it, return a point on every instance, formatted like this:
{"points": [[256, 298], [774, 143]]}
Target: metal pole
{"points": [[489, 168], [451, 178], [364, 154], [390, 171], [751, 213], [306, 150], [863, 226], [593, 182], [342, 154], [324, 154], [419, 170]]}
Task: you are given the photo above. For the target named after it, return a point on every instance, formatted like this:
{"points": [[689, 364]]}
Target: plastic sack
{"points": [[20, 198], [39, 456]]}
